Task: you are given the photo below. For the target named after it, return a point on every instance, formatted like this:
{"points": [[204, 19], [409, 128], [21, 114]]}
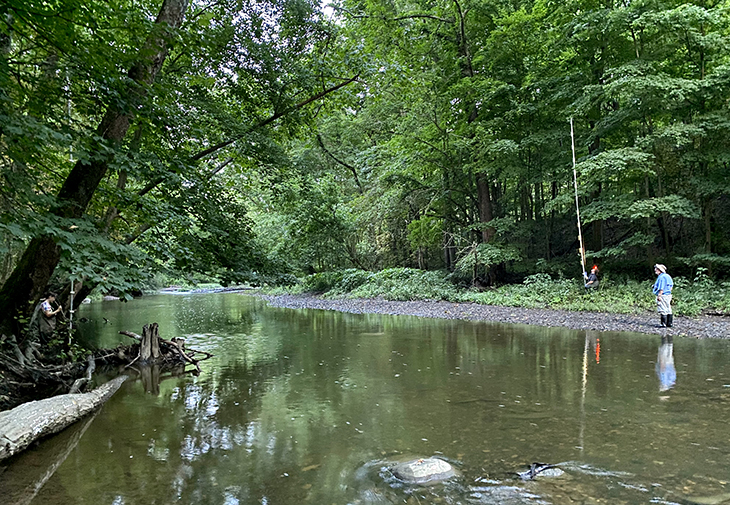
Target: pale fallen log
{"points": [[23, 479], [30, 421]]}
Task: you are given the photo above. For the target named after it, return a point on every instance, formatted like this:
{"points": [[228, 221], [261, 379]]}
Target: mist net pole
{"points": [[577, 207]]}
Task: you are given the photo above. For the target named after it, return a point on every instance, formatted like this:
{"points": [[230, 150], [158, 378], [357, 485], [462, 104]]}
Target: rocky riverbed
{"points": [[705, 326]]}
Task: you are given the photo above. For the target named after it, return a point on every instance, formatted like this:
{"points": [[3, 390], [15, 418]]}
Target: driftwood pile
{"points": [[153, 349], [30, 421], [29, 374]]}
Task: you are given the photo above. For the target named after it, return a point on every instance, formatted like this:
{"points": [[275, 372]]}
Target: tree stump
{"points": [[150, 346], [153, 349]]}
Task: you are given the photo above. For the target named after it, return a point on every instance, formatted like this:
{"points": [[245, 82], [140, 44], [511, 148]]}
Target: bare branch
{"points": [[344, 164], [272, 118], [398, 18], [202, 154]]}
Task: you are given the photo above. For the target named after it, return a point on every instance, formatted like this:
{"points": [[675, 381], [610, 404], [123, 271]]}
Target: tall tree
{"points": [[42, 254], [239, 79]]}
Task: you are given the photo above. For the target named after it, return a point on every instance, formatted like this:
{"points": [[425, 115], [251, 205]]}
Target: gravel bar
{"points": [[705, 326]]}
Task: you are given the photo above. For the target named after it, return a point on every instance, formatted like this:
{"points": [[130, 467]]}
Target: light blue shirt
{"points": [[664, 283]]}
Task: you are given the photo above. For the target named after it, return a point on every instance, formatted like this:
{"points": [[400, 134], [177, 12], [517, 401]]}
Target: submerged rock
{"points": [[423, 471], [709, 500], [542, 470], [551, 472]]}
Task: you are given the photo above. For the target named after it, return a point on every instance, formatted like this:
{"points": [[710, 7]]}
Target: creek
{"points": [[311, 407]]}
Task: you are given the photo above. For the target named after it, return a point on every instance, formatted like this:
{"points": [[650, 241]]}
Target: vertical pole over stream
{"points": [[577, 207], [71, 309]]}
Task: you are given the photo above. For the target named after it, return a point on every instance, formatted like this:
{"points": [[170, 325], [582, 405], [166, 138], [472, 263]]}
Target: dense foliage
{"points": [[278, 138], [127, 133], [462, 138]]}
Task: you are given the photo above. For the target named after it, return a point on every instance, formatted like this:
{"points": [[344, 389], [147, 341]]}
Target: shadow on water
{"points": [[311, 407]]}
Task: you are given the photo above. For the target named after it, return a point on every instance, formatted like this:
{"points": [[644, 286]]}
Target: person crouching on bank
{"points": [[592, 279]]}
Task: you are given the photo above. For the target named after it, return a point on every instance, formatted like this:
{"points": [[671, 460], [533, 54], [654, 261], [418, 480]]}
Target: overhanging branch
{"points": [[398, 18], [211, 150], [206, 152]]}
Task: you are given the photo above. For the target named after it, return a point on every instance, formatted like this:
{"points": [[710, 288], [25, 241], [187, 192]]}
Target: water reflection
{"points": [[28, 473], [592, 348], [665, 369], [152, 374], [302, 407]]}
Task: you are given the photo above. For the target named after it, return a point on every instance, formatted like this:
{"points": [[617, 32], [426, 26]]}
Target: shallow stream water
{"points": [[311, 407]]}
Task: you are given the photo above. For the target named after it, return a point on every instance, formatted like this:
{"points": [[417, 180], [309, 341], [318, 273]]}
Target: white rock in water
{"points": [[420, 471], [551, 472]]}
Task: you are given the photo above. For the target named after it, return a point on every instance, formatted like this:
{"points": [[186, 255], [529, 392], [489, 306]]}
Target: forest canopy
{"points": [[259, 141]]}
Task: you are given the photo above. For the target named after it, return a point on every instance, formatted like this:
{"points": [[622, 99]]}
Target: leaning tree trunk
{"points": [[40, 258], [30, 421]]}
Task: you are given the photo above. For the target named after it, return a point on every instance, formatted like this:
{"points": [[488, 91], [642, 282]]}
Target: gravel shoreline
{"points": [[694, 327]]}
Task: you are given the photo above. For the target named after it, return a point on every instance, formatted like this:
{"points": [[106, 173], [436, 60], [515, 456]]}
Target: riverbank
{"points": [[703, 326]]}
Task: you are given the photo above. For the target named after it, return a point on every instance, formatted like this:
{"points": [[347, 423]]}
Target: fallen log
{"points": [[30, 421], [23, 479]]}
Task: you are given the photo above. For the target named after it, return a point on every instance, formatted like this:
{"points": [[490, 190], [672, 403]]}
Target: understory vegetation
{"points": [[620, 295]]}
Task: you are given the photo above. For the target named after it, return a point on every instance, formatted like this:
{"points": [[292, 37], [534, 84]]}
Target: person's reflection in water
{"points": [[665, 364]]}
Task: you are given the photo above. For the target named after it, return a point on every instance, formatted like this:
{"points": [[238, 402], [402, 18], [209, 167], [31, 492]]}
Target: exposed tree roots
{"points": [[34, 372]]}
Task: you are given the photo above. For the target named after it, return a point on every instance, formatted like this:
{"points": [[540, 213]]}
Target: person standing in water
{"points": [[663, 291]]}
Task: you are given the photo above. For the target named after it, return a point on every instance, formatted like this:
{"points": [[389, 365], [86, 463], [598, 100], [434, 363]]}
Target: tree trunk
{"points": [[27, 282], [486, 213], [707, 211], [150, 346], [649, 247], [26, 423], [707, 215]]}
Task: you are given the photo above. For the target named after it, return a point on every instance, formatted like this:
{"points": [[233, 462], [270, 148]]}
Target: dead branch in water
{"points": [[172, 350]]}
